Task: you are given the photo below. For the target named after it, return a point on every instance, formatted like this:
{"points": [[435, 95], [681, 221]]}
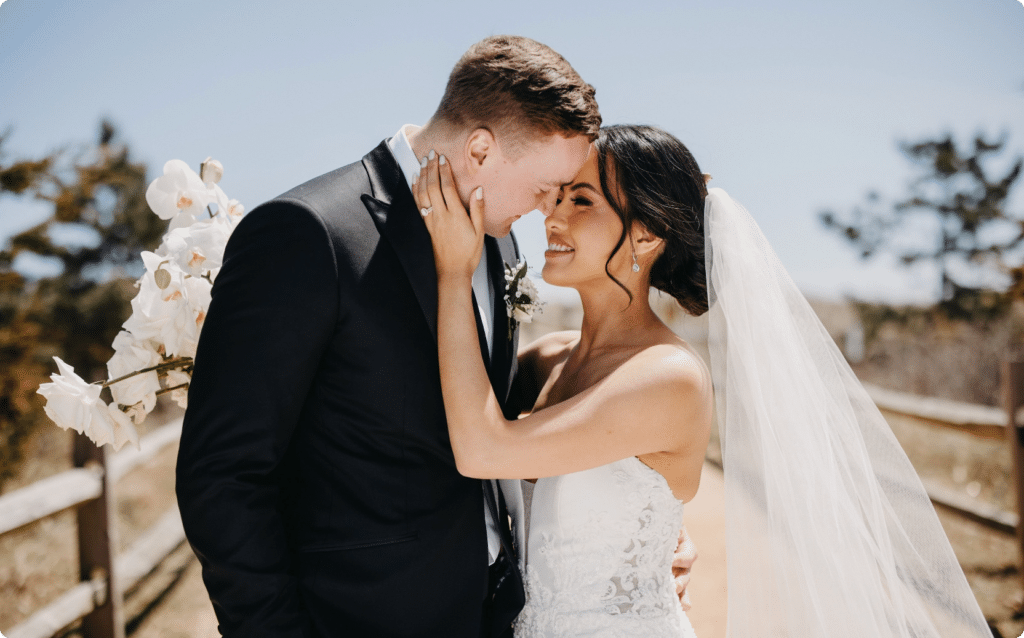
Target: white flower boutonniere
{"points": [[521, 297]]}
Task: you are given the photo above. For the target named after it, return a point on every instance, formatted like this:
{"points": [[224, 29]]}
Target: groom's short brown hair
{"points": [[521, 88]]}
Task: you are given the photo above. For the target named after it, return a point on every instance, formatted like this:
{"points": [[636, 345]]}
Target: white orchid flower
{"points": [[235, 210], [167, 313], [198, 249], [132, 355], [174, 379], [74, 404], [170, 307], [211, 171], [179, 195], [124, 429]]}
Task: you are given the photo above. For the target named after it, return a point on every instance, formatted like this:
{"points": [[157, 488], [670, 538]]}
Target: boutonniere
{"points": [[521, 297]]}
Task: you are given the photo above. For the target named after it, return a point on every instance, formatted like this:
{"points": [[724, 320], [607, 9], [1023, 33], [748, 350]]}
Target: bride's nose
{"points": [[556, 219]]}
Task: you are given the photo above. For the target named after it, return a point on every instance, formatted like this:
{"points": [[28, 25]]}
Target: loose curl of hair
{"points": [[658, 184]]}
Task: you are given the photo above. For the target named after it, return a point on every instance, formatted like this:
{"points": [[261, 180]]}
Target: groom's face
{"points": [[513, 188]]}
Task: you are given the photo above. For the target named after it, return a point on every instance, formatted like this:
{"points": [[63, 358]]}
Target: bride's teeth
{"points": [[559, 248]]}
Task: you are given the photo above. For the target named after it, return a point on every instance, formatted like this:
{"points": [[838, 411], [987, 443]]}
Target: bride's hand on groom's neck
{"points": [[457, 238]]}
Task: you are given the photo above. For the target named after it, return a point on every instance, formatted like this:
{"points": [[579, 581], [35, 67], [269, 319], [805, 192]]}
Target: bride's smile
{"points": [[555, 247]]}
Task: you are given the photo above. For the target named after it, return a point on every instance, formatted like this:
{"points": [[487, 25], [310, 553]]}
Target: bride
{"points": [[829, 532]]}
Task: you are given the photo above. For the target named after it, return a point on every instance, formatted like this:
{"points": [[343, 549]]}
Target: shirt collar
{"points": [[404, 155]]}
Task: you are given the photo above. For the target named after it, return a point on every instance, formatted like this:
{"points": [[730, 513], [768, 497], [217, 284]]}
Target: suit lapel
{"points": [[504, 251], [394, 212], [496, 271]]}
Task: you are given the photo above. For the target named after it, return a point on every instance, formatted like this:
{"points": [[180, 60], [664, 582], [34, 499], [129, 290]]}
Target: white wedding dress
{"points": [[598, 553]]}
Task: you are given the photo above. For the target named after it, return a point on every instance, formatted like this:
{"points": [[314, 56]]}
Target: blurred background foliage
{"points": [[955, 217], [99, 224]]}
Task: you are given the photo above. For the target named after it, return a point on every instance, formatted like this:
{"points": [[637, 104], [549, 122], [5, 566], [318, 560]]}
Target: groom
{"points": [[315, 477]]}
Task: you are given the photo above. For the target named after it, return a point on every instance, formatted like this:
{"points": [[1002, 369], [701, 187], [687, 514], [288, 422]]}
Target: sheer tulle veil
{"points": [[829, 529]]}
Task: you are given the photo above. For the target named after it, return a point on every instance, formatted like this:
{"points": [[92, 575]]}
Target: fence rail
{"points": [[49, 496], [84, 487], [980, 421]]}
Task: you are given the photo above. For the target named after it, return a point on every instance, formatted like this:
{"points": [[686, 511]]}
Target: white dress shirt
{"points": [[483, 290]]}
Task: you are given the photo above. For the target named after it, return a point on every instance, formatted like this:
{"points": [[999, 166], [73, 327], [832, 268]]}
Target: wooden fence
{"points": [[975, 420], [1006, 424], [104, 576]]}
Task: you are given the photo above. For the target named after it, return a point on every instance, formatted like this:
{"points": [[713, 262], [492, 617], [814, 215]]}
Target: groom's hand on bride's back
{"points": [[682, 561]]}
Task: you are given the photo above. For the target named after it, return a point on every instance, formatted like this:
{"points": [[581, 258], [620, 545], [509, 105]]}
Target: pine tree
{"points": [[976, 234], [99, 225]]}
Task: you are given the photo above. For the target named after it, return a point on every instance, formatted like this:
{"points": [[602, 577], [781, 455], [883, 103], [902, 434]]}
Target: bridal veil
{"points": [[829, 529]]}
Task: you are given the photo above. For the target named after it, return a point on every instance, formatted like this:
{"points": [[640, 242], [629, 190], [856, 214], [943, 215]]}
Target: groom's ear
{"points": [[480, 145]]}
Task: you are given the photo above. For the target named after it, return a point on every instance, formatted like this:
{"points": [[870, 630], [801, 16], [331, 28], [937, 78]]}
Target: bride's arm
{"points": [[656, 402]]}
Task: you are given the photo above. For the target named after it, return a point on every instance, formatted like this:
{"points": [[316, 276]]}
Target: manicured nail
{"points": [[442, 161], [431, 155], [423, 163], [479, 192]]}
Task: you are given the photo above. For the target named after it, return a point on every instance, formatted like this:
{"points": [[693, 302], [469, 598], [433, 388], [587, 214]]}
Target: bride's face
{"points": [[582, 232]]}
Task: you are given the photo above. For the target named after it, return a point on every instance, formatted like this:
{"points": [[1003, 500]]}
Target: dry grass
{"points": [[916, 351]]}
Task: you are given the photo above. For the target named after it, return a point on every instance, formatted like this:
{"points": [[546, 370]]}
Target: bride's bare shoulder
{"points": [[672, 362]]}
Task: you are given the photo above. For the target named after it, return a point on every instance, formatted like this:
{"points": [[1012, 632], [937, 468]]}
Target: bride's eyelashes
{"points": [[578, 201]]}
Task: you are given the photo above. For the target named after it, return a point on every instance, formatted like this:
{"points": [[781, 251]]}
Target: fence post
{"points": [[97, 545], [1013, 397]]}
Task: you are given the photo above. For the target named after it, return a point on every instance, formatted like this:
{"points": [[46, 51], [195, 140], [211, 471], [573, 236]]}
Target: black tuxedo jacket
{"points": [[315, 477]]}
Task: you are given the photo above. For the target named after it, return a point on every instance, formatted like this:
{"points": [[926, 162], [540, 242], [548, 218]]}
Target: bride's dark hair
{"points": [[659, 185]]}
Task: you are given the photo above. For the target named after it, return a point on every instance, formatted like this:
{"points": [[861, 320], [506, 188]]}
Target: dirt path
{"points": [[186, 612], [705, 521]]}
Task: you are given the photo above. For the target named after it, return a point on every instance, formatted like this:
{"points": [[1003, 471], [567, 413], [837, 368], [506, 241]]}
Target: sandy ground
{"points": [[185, 612], [704, 518]]}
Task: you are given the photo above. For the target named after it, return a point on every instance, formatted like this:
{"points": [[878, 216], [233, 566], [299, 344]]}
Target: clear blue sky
{"points": [[792, 105]]}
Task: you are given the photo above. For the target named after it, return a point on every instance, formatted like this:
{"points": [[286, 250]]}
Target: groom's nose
{"points": [[547, 205]]}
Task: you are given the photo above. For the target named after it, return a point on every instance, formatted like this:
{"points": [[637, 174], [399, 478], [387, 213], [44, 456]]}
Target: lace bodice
{"points": [[599, 555]]}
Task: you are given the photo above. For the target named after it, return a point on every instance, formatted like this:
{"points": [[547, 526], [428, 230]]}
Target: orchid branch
{"points": [[167, 365]]}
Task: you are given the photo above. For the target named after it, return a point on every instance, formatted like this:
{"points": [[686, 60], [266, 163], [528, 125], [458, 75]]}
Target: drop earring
{"points": [[636, 266]]}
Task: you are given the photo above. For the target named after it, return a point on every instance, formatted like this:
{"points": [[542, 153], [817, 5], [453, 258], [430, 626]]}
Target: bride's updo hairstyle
{"points": [[657, 183]]}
